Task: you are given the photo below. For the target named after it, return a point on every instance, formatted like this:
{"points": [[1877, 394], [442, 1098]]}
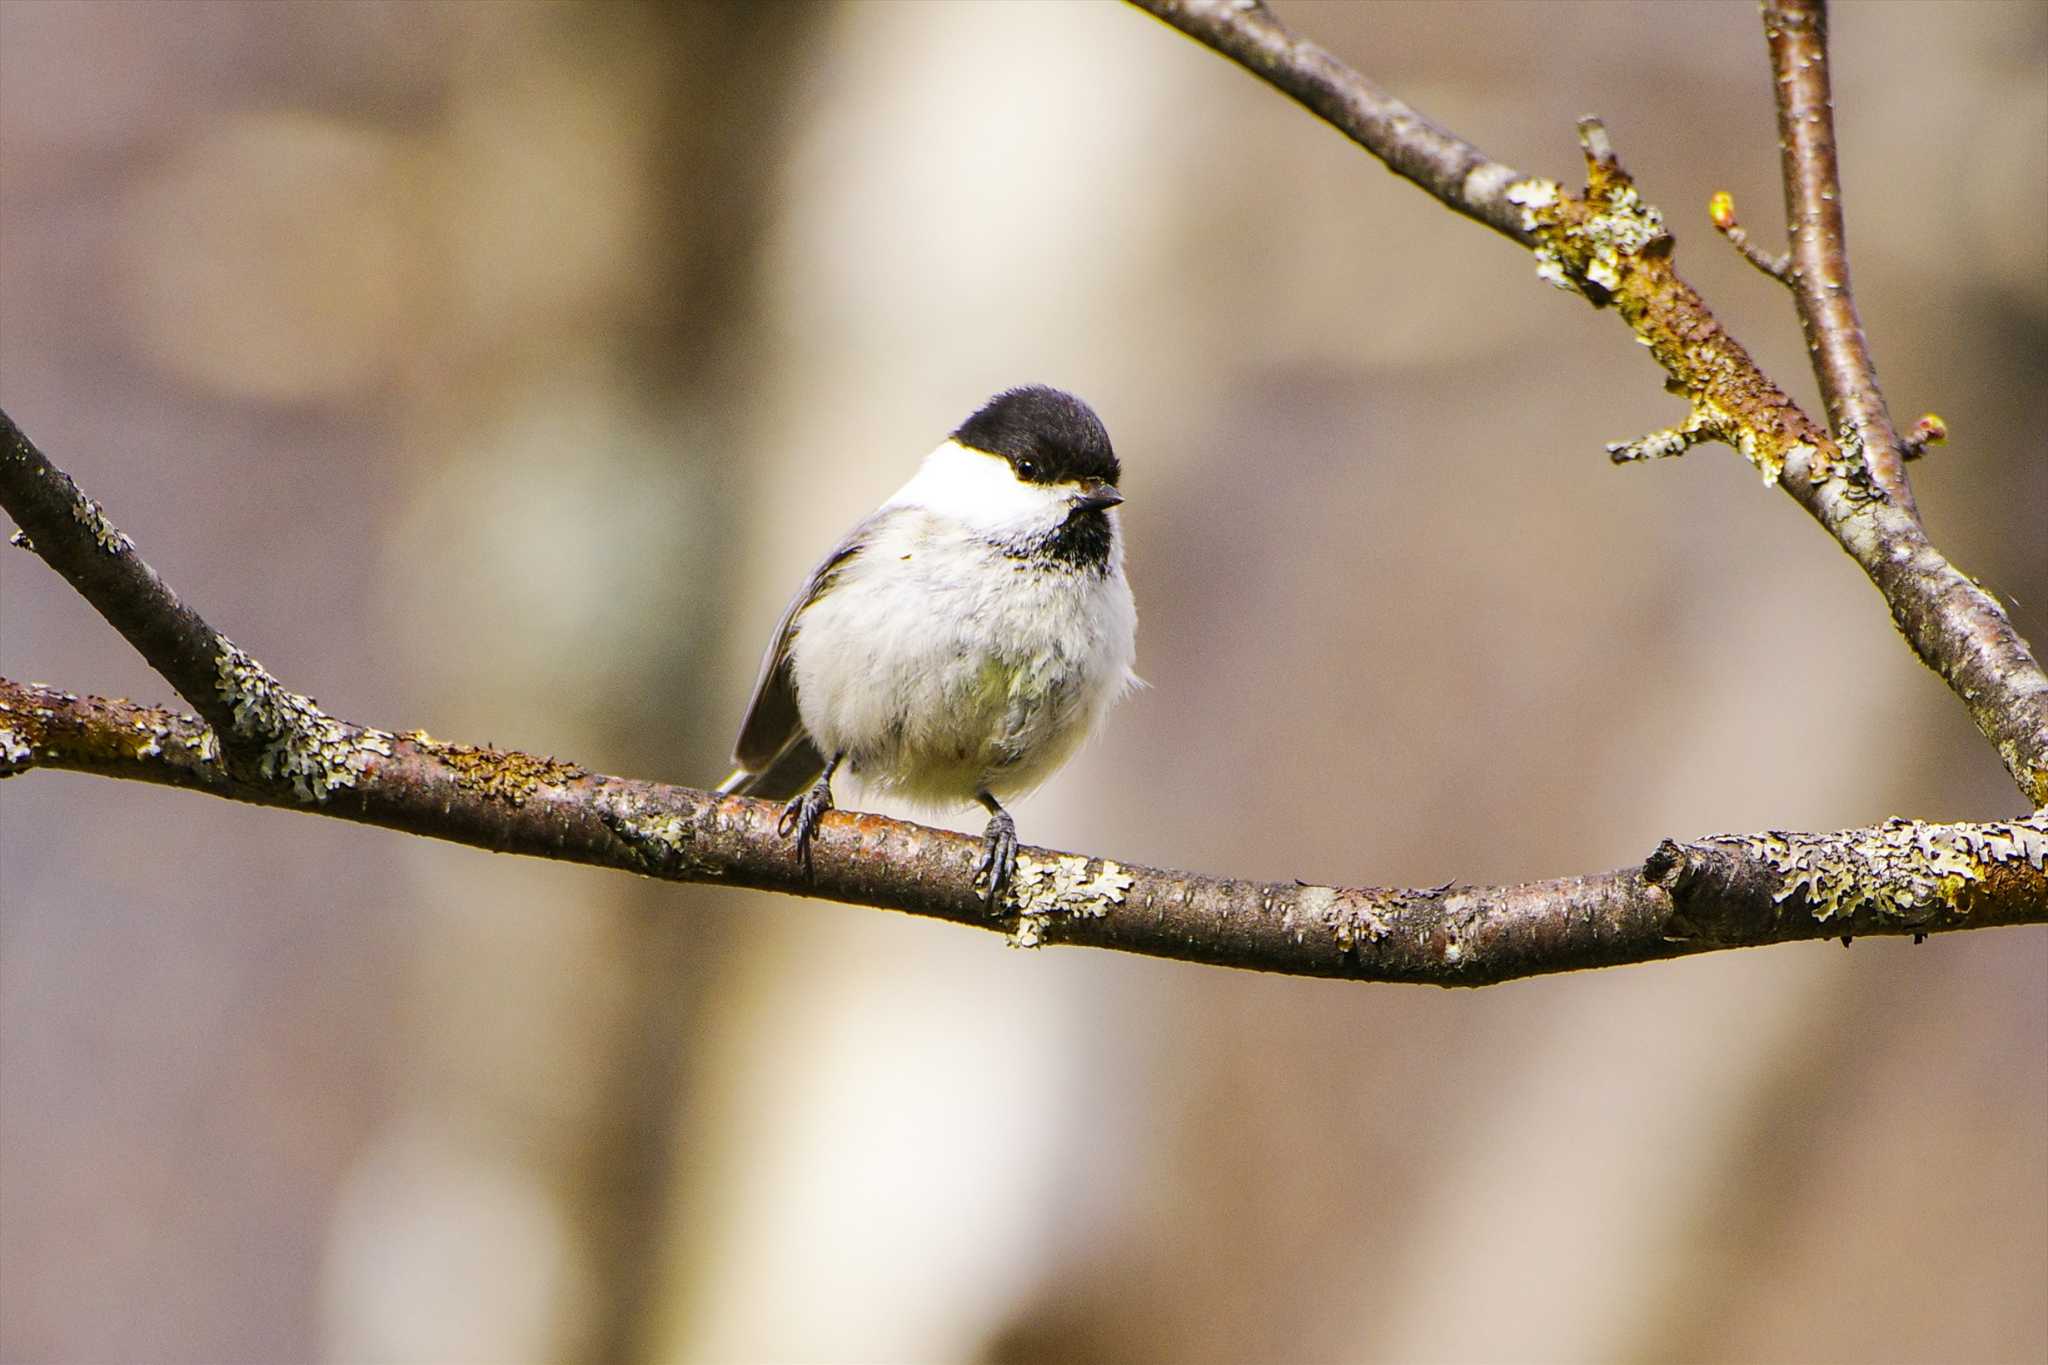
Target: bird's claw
{"points": [[999, 859], [800, 816]]}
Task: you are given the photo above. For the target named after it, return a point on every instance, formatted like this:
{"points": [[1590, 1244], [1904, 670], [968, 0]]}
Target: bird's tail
{"points": [[795, 768]]}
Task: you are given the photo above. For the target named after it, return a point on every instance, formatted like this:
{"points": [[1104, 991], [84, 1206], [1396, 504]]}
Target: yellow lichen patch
{"points": [[1612, 247], [500, 774]]}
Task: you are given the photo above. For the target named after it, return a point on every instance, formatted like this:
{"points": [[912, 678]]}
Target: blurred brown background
{"points": [[498, 368]]}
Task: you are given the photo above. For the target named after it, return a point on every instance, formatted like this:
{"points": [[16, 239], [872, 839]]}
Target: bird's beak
{"points": [[1095, 494]]}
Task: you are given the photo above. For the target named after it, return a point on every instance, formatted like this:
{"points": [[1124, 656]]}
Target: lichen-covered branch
{"points": [[1796, 31], [1610, 247], [274, 731], [256, 741], [1690, 897], [73, 536]]}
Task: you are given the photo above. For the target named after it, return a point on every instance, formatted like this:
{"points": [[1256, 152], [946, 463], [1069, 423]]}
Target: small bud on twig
{"points": [[1721, 211], [1930, 430]]}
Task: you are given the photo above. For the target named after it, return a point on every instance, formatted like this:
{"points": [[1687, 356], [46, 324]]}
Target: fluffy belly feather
{"points": [[960, 692]]}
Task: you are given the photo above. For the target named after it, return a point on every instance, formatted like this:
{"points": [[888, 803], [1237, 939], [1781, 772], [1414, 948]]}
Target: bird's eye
{"points": [[1027, 470]]}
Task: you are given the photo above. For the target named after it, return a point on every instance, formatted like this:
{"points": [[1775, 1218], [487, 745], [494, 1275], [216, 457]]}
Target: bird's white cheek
{"points": [[981, 492]]}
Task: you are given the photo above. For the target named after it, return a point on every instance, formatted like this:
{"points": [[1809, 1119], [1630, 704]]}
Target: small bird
{"points": [[961, 642]]}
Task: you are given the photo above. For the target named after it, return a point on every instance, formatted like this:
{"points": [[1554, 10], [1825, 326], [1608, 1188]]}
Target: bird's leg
{"points": [[999, 860], [803, 811]]}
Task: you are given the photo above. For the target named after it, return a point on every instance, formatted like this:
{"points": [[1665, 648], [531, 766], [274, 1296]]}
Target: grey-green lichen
{"points": [[1618, 225], [1536, 196], [1349, 917], [2034, 776], [1623, 228], [1672, 441], [1042, 888], [156, 730], [300, 743], [664, 842], [15, 752], [87, 513], [1849, 441], [1903, 869]]}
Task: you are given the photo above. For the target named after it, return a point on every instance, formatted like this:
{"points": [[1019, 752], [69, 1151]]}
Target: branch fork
{"points": [[1721, 212], [1607, 247]]}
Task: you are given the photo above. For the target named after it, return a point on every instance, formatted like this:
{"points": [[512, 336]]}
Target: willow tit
{"points": [[961, 642]]}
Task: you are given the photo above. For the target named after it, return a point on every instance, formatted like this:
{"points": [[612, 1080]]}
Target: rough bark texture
{"points": [[1687, 897], [1797, 34]]}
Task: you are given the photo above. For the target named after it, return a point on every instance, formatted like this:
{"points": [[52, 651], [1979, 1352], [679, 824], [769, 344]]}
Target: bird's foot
{"points": [[800, 817], [999, 860]]}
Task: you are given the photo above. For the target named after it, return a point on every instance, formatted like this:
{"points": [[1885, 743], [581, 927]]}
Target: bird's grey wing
{"points": [[772, 743]]}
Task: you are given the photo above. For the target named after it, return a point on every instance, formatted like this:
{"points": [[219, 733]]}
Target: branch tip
{"points": [[1930, 430], [1658, 445], [1595, 140]]}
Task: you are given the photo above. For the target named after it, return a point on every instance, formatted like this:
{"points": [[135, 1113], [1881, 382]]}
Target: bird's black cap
{"points": [[1047, 435]]}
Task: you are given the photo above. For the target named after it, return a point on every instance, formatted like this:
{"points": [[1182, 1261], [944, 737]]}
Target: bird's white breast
{"points": [[942, 665]]}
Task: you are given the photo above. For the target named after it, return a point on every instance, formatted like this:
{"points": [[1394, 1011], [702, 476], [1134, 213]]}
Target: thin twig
{"points": [[1721, 212], [1610, 247], [1930, 430], [1692, 897], [1409, 142], [1797, 33]]}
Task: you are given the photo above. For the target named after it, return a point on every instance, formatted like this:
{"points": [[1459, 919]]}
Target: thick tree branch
{"points": [[1692, 897], [1611, 248], [1796, 32]]}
